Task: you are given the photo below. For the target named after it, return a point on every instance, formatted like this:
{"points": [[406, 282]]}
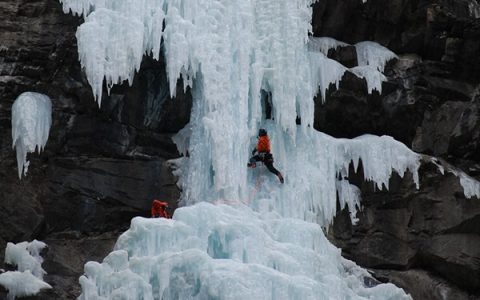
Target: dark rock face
{"points": [[427, 285], [101, 166], [433, 230], [430, 100], [436, 30], [427, 239]]}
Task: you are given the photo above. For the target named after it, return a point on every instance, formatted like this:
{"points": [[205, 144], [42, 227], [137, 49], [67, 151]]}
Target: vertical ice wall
{"points": [[229, 51], [31, 121]]}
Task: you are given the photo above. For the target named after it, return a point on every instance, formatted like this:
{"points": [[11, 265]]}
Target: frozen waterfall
{"points": [[268, 242]]}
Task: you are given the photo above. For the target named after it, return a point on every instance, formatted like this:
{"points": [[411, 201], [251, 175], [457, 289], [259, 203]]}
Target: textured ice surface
{"points": [[312, 165], [31, 121], [374, 55], [223, 252], [228, 52], [27, 280], [26, 256], [21, 284]]}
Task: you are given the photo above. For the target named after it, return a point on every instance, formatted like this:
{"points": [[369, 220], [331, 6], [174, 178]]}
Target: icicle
{"points": [[324, 44], [31, 121], [374, 55], [373, 77]]}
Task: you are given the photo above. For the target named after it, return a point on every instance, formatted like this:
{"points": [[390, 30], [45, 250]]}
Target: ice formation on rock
{"points": [[373, 77], [324, 44], [28, 280], [26, 256], [313, 163], [371, 57], [374, 55], [22, 284], [325, 71], [223, 252], [349, 196], [31, 121], [471, 186], [231, 53]]}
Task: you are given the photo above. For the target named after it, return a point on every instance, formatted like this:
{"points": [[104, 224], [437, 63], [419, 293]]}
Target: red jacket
{"points": [[159, 209], [263, 144]]}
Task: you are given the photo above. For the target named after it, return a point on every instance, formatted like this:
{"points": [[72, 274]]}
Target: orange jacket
{"points": [[159, 209], [263, 144]]}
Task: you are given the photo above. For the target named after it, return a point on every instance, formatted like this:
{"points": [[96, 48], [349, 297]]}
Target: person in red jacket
{"points": [[263, 154], [159, 209]]}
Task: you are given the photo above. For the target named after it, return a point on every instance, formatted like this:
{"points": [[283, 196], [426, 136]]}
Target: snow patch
{"points": [[31, 121]]}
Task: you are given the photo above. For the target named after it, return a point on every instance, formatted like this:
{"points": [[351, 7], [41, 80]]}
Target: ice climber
{"points": [[159, 209], [263, 154]]}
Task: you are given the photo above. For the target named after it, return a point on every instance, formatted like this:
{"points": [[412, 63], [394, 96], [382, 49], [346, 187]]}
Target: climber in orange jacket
{"points": [[159, 209], [263, 154]]}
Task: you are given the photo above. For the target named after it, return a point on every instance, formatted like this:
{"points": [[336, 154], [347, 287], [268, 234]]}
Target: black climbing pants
{"points": [[267, 160]]}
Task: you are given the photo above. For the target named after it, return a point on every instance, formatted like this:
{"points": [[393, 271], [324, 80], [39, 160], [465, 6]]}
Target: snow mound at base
{"points": [[222, 252]]}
